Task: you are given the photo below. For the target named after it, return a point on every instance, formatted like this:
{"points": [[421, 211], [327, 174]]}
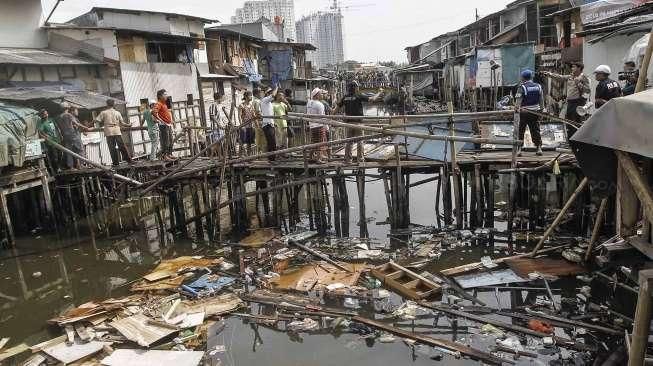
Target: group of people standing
{"points": [[577, 96]]}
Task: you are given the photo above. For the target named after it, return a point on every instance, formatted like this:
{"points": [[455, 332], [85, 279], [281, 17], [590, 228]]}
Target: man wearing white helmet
{"points": [[607, 88]]}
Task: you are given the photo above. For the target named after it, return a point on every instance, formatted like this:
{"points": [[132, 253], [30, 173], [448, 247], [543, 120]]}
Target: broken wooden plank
{"points": [[434, 342], [545, 266], [563, 342], [479, 265], [49, 343], [3, 342], [133, 357], [310, 276], [317, 254], [35, 360], [640, 185], [82, 332], [404, 281], [13, 351]]}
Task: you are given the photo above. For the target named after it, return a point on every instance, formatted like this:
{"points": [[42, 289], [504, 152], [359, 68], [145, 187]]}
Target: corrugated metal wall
{"points": [[143, 80]]}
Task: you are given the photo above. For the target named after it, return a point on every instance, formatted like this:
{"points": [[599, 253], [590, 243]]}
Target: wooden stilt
{"points": [[561, 215], [643, 314], [598, 223], [6, 218]]}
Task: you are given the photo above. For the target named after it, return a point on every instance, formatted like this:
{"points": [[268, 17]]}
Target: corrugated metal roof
{"points": [[40, 56], [98, 9], [83, 99]]}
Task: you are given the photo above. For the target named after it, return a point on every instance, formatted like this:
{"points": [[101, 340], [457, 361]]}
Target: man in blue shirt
{"points": [[530, 94]]}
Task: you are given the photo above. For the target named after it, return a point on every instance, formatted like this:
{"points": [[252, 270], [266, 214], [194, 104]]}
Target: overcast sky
{"points": [[375, 30]]}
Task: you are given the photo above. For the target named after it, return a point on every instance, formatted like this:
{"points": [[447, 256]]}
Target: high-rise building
{"points": [[324, 31], [274, 10]]}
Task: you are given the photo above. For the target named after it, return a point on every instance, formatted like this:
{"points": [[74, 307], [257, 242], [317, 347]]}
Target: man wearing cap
{"points": [[111, 119], [578, 92], [352, 103], [319, 132], [163, 116], [267, 111], [530, 95], [152, 128], [607, 88]]}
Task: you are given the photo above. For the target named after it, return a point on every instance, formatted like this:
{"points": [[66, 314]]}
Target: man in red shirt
{"points": [[163, 116]]}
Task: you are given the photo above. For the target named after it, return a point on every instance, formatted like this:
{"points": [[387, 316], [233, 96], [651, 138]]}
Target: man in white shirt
{"points": [[268, 122], [319, 132]]}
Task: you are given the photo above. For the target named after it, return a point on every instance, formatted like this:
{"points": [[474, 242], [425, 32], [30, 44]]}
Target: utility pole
{"points": [[476, 14]]}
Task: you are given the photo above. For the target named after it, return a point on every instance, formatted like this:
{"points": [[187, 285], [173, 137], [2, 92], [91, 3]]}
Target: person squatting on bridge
{"points": [[319, 132], [163, 116], [112, 120], [530, 94]]}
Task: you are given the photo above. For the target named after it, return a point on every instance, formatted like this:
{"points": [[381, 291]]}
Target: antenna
{"points": [[477, 14]]}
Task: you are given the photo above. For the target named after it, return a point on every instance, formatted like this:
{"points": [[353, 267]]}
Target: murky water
{"points": [[98, 257]]}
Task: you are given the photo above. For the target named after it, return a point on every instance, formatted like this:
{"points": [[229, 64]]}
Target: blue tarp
{"points": [[280, 64], [515, 59]]}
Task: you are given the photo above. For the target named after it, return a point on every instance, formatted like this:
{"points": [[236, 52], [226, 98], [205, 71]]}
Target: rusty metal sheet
{"points": [[545, 266]]}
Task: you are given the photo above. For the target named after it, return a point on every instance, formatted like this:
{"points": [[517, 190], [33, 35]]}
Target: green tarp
{"points": [[17, 127]]}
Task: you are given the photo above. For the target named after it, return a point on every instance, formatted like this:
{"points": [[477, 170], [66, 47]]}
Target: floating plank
{"points": [[133, 357], [68, 353], [546, 266], [49, 343], [35, 360], [406, 282], [13, 351], [137, 329], [434, 342], [213, 306], [313, 276], [3, 342]]}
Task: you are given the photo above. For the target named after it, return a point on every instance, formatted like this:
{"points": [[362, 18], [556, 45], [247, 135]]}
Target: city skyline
{"points": [[325, 31], [375, 33]]}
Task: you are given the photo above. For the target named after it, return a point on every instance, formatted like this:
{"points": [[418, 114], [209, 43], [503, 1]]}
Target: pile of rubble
{"points": [[174, 314]]}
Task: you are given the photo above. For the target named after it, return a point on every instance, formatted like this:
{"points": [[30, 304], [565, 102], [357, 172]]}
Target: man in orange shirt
{"points": [[163, 116]]}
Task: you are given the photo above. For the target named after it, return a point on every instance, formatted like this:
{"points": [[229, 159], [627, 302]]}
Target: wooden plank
{"points": [[434, 342], [546, 266], [638, 183], [478, 265], [416, 287]]}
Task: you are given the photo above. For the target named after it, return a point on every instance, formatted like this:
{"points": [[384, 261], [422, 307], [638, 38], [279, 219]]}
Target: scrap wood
{"points": [[310, 276], [35, 360], [317, 254], [434, 342], [166, 274], [82, 312], [259, 237], [563, 342], [546, 266], [214, 306], [479, 265], [3, 342], [136, 329], [49, 343], [132, 357], [406, 282], [13, 351]]}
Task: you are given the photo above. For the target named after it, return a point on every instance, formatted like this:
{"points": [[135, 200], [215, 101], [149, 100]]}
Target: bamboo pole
{"points": [[467, 116], [642, 319], [388, 132], [643, 71], [107, 170], [454, 169], [561, 214], [597, 228]]}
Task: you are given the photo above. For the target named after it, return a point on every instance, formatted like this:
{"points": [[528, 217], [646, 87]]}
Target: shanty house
{"points": [[149, 50]]}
